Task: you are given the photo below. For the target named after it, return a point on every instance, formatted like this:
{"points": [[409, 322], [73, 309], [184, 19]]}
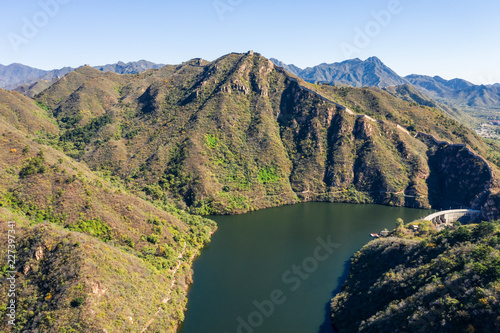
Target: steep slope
{"points": [[357, 73], [424, 281], [240, 133], [24, 114], [380, 105], [90, 255], [33, 89]]}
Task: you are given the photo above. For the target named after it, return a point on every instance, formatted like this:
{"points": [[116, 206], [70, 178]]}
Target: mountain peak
{"points": [[132, 67], [353, 72], [86, 70], [196, 62], [375, 60]]}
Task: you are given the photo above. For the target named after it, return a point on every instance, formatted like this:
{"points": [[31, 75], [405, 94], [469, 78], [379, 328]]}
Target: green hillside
{"points": [[101, 172], [410, 93], [428, 281], [239, 134], [88, 250]]}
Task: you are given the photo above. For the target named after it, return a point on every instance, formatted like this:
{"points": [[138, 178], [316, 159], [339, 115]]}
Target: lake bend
{"points": [[276, 270]]}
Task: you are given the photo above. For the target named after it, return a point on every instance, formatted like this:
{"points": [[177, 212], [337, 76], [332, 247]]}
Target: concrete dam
{"points": [[447, 217]]}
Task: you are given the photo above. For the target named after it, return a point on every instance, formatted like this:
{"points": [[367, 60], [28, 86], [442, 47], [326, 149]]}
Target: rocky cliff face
{"points": [[491, 208], [93, 169], [457, 177], [240, 134]]}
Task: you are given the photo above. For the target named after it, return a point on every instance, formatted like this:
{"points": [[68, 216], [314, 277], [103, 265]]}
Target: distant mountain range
{"points": [[100, 172], [130, 67], [456, 96], [357, 73], [16, 75], [458, 90], [482, 101]]}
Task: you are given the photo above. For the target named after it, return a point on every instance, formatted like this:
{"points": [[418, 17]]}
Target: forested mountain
{"points": [[196, 133], [423, 281], [101, 170]]}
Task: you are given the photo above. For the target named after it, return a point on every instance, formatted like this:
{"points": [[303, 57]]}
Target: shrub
{"points": [[462, 234], [128, 241], [267, 175], [211, 141], [132, 134], [484, 229], [154, 190], [153, 239], [43, 106], [34, 165], [155, 221], [95, 227], [77, 301]]}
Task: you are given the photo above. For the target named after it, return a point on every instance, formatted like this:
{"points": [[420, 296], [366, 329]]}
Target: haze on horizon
{"points": [[447, 38]]}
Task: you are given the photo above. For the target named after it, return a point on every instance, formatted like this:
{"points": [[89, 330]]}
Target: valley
{"points": [[112, 180]]}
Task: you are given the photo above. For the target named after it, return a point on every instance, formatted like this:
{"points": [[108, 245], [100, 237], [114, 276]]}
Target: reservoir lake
{"points": [[276, 270]]}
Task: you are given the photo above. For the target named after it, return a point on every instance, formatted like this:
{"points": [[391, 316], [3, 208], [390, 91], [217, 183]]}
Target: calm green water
{"points": [[276, 270]]}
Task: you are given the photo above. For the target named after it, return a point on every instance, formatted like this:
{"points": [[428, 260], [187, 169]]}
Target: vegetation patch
{"points": [[43, 106], [95, 227], [211, 141], [33, 165], [82, 135], [268, 175], [77, 301]]}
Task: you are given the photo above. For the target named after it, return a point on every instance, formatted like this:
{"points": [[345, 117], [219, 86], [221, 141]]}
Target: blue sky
{"points": [[448, 38]]}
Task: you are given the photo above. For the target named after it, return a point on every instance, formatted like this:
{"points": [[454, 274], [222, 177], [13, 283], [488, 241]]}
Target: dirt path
{"points": [[167, 298]]}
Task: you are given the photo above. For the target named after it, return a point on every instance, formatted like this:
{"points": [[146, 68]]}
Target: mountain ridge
{"points": [[101, 170], [261, 106], [18, 75], [479, 101], [355, 72]]}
